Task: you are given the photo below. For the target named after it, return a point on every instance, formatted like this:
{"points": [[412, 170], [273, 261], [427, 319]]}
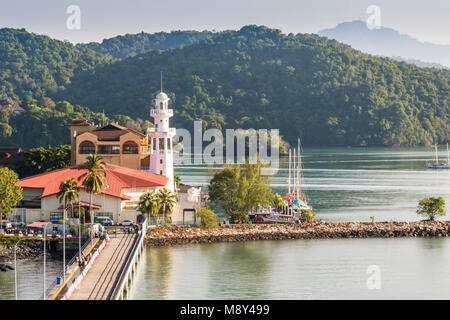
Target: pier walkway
{"points": [[101, 278]]}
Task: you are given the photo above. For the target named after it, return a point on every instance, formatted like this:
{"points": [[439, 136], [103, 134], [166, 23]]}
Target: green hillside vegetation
{"points": [[47, 123], [321, 90], [37, 65], [133, 44]]}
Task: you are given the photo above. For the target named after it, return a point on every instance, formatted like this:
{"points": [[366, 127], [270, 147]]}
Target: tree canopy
{"points": [[432, 207], [44, 159], [305, 85], [10, 193], [309, 86], [240, 188]]}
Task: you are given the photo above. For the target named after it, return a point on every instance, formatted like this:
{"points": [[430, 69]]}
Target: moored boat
{"points": [[441, 165]]}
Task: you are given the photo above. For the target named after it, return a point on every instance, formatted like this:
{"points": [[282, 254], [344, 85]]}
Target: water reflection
{"points": [[29, 278], [411, 268]]}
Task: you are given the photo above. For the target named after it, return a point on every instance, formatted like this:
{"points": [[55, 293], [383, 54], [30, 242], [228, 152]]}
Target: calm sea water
{"points": [[415, 268], [29, 278], [352, 184], [342, 184]]}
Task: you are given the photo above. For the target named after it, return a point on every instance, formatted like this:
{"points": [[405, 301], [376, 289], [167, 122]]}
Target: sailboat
{"points": [[300, 201], [295, 199], [438, 165]]}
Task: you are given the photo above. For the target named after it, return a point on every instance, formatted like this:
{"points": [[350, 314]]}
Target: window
{"points": [[56, 216], [161, 161], [160, 172], [130, 148], [87, 147], [154, 143], [161, 143], [103, 149], [114, 149]]}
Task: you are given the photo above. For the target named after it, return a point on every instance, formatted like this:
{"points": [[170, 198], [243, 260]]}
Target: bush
{"points": [[308, 215], [431, 207], [208, 218]]}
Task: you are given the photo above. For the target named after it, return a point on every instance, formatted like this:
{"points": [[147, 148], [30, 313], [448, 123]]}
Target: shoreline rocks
{"points": [[24, 251], [179, 235]]}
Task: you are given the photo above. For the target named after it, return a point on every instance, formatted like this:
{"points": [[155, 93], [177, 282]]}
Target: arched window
{"points": [[87, 147], [130, 147]]}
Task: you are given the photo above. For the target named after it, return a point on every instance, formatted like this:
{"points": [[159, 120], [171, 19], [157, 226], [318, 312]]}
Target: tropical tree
{"points": [[68, 193], [94, 178], [167, 200], [149, 204], [278, 201], [239, 189], [10, 193], [431, 207], [177, 180]]}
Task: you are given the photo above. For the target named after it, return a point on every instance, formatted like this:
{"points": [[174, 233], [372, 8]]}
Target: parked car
{"points": [[126, 223]]}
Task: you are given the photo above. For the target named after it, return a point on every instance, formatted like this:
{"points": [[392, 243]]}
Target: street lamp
{"points": [[15, 263], [64, 243], [45, 247], [15, 268], [79, 230]]}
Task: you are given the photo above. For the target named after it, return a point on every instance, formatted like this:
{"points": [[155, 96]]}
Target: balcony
{"points": [[154, 130], [161, 112]]}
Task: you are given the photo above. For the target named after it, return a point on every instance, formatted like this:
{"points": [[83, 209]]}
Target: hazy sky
{"points": [[425, 20]]}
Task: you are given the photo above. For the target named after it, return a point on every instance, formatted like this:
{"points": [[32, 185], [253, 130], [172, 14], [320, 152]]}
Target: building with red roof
{"points": [[118, 199]]}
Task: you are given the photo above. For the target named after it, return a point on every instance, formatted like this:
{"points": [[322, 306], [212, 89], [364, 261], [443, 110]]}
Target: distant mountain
{"points": [[390, 43], [324, 91], [131, 44], [309, 86]]}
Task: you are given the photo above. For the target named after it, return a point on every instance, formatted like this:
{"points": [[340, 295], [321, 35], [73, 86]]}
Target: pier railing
{"points": [[127, 269], [69, 268]]}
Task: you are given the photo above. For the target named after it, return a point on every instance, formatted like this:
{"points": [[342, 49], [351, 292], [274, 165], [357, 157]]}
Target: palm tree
{"points": [[278, 201], [167, 200], [94, 178], [68, 193], [149, 204]]}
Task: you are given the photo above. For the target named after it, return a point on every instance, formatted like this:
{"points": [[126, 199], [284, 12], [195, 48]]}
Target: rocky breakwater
{"points": [[177, 235], [25, 250]]}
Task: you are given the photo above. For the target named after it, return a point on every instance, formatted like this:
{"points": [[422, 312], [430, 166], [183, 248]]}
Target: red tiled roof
{"points": [[117, 178]]}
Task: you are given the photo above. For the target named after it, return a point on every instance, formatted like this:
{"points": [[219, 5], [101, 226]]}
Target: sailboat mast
{"points": [[293, 170], [435, 150], [299, 167], [448, 155], [289, 180]]}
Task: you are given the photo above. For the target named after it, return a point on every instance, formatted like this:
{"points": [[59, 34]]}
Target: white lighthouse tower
{"points": [[161, 148]]}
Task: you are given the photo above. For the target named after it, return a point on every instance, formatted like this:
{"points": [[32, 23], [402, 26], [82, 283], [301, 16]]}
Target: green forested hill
{"points": [[37, 65], [305, 85], [47, 123], [132, 44], [321, 90]]}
